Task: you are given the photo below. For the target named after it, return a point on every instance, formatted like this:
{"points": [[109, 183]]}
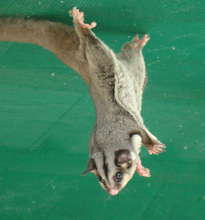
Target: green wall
{"points": [[46, 116]]}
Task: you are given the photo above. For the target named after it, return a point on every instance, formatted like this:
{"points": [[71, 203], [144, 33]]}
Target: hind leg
{"points": [[131, 49], [87, 36]]}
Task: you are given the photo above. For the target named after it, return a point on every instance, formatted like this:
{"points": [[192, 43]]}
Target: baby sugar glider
{"points": [[116, 83]]}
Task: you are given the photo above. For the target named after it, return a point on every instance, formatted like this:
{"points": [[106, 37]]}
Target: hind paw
{"points": [[140, 43], [78, 18]]}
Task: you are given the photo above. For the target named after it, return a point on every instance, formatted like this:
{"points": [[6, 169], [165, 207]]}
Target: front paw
{"points": [[142, 171], [156, 149]]}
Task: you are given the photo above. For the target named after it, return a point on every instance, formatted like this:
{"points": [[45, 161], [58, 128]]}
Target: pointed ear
{"points": [[91, 167], [122, 156]]}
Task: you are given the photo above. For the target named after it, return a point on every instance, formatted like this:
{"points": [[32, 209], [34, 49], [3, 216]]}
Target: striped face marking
{"points": [[113, 170]]}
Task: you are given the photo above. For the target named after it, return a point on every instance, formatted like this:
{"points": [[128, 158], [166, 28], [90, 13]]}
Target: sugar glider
{"points": [[116, 83]]}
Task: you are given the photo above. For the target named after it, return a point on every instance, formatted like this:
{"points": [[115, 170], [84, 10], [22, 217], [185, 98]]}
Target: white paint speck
{"points": [[173, 48], [62, 2], [185, 148], [201, 150], [53, 187], [180, 126], [170, 140], [53, 74], [40, 3]]}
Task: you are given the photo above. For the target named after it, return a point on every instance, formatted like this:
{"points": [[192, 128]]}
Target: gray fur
{"points": [[116, 84]]}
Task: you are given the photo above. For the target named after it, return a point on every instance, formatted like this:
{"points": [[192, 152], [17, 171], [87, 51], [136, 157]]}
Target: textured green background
{"points": [[46, 116]]}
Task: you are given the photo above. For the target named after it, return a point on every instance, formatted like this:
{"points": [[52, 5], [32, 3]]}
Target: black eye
{"points": [[118, 176]]}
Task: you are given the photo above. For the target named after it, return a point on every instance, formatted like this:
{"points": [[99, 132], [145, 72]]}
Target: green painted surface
{"points": [[46, 116]]}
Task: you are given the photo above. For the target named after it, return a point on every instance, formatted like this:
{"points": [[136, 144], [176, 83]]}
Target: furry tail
{"points": [[50, 35], [56, 37]]}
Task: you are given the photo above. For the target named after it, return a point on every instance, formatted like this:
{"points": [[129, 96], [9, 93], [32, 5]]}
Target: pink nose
{"points": [[113, 192]]}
